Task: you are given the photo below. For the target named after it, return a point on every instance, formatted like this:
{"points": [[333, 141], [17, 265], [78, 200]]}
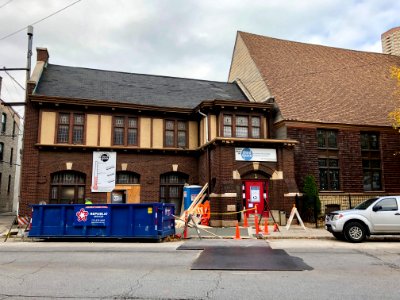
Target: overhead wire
{"points": [[1, 6], [36, 22]]}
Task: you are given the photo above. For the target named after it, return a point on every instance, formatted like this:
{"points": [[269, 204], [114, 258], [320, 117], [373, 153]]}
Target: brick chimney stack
{"points": [[391, 41], [42, 54]]}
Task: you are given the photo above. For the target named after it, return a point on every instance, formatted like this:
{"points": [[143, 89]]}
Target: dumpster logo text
{"points": [[82, 215]]}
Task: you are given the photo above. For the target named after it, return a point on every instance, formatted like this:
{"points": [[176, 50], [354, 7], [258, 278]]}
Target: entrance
{"points": [[256, 193]]}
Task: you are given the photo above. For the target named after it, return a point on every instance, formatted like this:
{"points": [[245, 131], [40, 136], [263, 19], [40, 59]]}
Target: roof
{"points": [[325, 84], [161, 91]]}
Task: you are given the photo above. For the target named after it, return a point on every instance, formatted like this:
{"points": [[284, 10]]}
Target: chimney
{"points": [[391, 41], [42, 54]]}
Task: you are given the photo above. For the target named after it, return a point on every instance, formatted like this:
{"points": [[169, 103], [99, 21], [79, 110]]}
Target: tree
{"points": [[312, 203], [394, 116]]}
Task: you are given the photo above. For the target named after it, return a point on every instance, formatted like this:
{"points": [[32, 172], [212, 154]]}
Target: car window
{"points": [[365, 204], [387, 204]]}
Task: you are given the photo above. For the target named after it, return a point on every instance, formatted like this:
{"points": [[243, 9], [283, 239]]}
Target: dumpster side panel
{"points": [[145, 220]]}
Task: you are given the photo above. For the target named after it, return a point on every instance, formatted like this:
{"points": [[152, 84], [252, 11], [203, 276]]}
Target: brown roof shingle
{"points": [[325, 84]]}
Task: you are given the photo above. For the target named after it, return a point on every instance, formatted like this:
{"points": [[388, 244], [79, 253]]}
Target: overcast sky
{"points": [[182, 38]]}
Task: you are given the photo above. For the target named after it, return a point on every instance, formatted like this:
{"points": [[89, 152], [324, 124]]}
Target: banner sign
{"points": [[103, 171], [255, 154], [91, 215]]}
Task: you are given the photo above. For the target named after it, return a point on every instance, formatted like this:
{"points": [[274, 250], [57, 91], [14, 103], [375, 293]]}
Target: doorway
{"points": [[256, 194]]}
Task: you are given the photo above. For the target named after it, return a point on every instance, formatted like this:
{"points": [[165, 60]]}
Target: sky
{"points": [[179, 38]]}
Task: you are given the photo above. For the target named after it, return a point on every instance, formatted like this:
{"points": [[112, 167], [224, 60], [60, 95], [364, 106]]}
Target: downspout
{"points": [[207, 152]]}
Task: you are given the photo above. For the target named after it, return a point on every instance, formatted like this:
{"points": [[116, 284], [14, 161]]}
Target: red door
{"points": [[255, 193]]}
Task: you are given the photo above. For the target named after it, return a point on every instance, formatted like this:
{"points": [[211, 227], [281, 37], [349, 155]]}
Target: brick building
{"points": [[391, 41], [9, 168], [165, 132], [335, 103]]}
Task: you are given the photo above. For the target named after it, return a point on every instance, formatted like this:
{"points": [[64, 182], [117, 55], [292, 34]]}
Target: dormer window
{"points": [[242, 126]]}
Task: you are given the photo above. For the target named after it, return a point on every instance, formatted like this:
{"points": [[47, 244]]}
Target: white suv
{"points": [[372, 217]]}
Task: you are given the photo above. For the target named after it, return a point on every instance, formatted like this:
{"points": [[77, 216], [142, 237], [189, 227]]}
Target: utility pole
{"points": [[27, 69]]}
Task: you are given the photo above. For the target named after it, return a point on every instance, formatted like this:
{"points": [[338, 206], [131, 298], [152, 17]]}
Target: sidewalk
{"points": [[6, 220], [294, 232]]}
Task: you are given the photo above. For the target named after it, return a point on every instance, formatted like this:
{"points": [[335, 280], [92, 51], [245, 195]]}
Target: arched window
{"points": [[171, 188], [67, 187], [125, 177]]}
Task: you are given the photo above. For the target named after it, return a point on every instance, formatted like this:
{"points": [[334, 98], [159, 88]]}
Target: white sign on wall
{"points": [[103, 171], [255, 154]]}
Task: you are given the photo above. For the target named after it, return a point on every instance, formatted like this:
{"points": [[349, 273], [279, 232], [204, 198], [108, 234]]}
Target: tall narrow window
{"points": [[13, 129], [255, 127], [77, 135], [371, 161], [328, 162], [1, 151], [169, 133], [9, 185], [132, 131], [242, 126], [11, 156], [63, 128], [119, 129], [181, 134], [1, 175], [3, 122], [227, 126]]}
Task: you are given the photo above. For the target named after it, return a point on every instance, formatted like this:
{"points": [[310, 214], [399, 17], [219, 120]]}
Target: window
{"points": [[371, 161], [67, 187], [1, 175], [125, 131], [328, 162], [13, 129], [175, 133], [1, 151], [329, 174], [11, 156], [3, 122], [388, 204], [9, 185], [241, 126], [327, 139], [171, 188], [124, 177], [70, 128]]}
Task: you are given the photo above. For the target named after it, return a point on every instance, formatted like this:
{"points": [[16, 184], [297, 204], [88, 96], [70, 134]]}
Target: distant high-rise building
{"points": [[391, 41]]}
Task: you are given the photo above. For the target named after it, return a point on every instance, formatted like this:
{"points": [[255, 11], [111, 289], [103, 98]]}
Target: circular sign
{"points": [[104, 157], [247, 154]]}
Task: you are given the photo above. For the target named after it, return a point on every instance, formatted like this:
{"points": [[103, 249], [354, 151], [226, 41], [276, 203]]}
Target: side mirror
{"points": [[377, 207]]}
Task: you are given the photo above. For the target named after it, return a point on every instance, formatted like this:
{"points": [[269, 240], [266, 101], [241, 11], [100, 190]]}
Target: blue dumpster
{"points": [[144, 220], [189, 194]]}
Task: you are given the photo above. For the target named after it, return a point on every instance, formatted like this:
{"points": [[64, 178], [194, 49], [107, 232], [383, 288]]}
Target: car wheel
{"points": [[340, 236], [355, 232]]}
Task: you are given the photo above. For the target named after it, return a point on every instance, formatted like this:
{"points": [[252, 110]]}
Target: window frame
{"points": [[3, 122], [131, 175], [175, 133], [71, 128], [371, 155], [234, 119], [77, 185], [182, 179], [328, 152], [125, 130], [330, 170]]}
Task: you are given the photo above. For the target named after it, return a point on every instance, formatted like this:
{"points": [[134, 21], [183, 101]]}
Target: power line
{"points": [[34, 23], [6, 3], [13, 79]]}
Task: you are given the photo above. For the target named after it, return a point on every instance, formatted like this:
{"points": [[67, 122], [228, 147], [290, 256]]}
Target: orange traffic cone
{"points": [[266, 227], [256, 224], [237, 236], [245, 222], [276, 227]]}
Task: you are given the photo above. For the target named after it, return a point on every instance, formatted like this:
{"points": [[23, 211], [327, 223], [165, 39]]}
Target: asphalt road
{"points": [[79, 270]]}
